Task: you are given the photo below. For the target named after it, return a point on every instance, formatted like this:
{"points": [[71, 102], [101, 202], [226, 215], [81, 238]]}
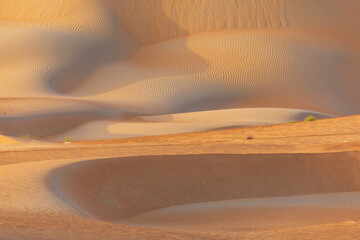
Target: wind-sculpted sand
{"points": [[139, 58], [174, 119], [208, 185]]}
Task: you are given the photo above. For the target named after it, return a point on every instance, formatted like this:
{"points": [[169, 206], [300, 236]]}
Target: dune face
{"points": [[164, 57]]}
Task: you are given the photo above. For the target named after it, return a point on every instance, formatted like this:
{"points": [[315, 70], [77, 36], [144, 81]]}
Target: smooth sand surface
{"points": [[80, 78]]}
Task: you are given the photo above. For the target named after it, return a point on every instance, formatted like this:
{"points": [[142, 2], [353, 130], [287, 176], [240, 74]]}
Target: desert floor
{"points": [[290, 181]]}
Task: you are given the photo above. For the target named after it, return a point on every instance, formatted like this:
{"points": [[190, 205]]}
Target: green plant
{"points": [[235, 138], [27, 136], [68, 140], [309, 119], [292, 121]]}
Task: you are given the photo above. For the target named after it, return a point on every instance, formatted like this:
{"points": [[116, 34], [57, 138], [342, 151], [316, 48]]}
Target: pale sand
{"points": [[103, 69]]}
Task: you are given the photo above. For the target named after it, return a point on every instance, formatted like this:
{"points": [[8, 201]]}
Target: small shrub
{"points": [[309, 119], [249, 138], [235, 137], [25, 136], [68, 140], [292, 121]]}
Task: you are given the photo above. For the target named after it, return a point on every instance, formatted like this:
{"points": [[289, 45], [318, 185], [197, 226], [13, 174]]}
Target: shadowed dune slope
{"points": [[111, 189]]}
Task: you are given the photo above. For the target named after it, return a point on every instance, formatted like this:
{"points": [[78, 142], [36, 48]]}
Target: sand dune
{"points": [[97, 70], [172, 59], [135, 185], [230, 68], [129, 197], [229, 54]]}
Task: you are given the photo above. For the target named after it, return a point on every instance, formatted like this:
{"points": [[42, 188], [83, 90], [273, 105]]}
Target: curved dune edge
{"points": [[113, 189]]}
